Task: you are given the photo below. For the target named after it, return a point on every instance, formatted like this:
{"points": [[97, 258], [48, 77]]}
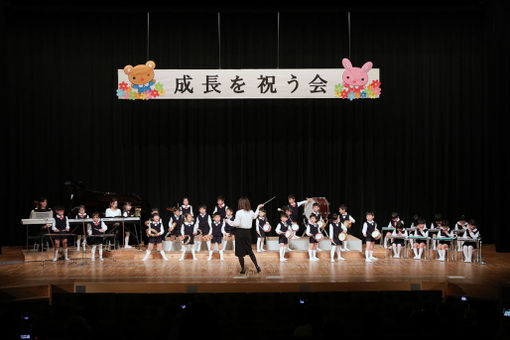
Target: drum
{"points": [[318, 236], [266, 228], [294, 227], [288, 234], [376, 234], [342, 236], [323, 207]]}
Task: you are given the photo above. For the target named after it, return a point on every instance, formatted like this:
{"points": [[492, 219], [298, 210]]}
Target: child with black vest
{"points": [[188, 232], [459, 229], [260, 224], [443, 245], [186, 208], [398, 243], [220, 207], [229, 230], [312, 230], [155, 233], [81, 215], [395, 219], [128, 211], [468, 247], [420, 244], [335, 228], [97, 227], [60, 226], [218, 232], [174, 226], [203, 222], [368, 228], [281, 230], [344, 216]]}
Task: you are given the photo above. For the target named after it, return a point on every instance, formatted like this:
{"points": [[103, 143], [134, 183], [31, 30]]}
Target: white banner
{"points": [[247, 83]]}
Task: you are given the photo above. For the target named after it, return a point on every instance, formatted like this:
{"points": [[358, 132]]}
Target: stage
{"points": [[124, 272]]}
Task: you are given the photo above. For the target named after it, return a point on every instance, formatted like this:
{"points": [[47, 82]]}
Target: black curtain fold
{"points": [[432, 143]]}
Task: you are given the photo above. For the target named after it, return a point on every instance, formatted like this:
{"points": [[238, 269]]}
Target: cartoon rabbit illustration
{"points": [[355, 77]]}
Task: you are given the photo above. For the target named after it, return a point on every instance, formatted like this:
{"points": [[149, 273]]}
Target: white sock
{"points": [[234, 245], [163, 255], [399, 249], [78, 244], [126, 241], [282, 252], [309, 253], [183, 252], [65, 254], [465, 252], [340, 257], [314, 254], [415, 251], [470, 253], [210, 255], [208, 245], [221, 254], [258, 244], [147, 253], [100, 251], [367, 254], [193, 253], [420, 251], [332, 253], [394, 249], [93, 253]]}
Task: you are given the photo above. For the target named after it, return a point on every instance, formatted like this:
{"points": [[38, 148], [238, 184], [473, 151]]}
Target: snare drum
{"points": [[266, 227], [288, 234], [294, 227], [376, 234], [318, 236]]}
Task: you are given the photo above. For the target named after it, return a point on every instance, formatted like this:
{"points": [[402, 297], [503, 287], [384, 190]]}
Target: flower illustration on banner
{"points": [[123, 86], [121, 93], [354, 82], [132, 95], [154, 93]]}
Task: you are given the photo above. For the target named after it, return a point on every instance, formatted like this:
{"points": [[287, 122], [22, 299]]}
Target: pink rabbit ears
{"points": [[348, 65]]}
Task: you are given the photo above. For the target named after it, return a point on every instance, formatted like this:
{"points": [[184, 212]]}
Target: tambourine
{"points": [[318, 236], [151, 232], [294, 227], [172, 227], [347, 224], [376, 234], [207, 237], [185, 239], [199, 233], [342, 236], [266, 227], [288, 234]]}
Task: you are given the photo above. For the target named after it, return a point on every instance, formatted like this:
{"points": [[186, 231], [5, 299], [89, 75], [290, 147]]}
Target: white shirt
{"points": [[112, 213], [244, 219]]}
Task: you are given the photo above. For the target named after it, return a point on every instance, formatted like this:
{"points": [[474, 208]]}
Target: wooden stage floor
{"points": [[126, 273]]}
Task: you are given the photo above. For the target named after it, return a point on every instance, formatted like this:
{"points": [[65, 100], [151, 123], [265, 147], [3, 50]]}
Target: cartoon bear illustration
{"points": [[355, 77], [141, 76]]}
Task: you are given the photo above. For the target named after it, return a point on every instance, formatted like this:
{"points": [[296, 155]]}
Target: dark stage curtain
{"points": [[432, 143]]}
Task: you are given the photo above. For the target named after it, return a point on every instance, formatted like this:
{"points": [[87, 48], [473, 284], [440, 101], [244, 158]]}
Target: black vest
{"points": [[262, 221], [96, 227], [156, 226], [337, 229], [178, 221], [344, 218], [222, 211], [188, 228], [203, 221], [314, 229], [61, 224], [216, 229], [294, 212], [185, 210], [371, 227], [78, 216], [283, 227]]}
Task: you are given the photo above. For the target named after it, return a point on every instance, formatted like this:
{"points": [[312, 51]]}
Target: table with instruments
{"points": [[384, 230], [110, 220], [452, 253], [478, 241], [27, 222]]}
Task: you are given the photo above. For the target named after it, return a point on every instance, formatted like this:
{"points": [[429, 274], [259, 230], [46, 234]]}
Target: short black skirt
{"points": [[91, 240], [156, 239], [217, 239], [243, 242], [262, 233], [398, 241], [282, 239]]}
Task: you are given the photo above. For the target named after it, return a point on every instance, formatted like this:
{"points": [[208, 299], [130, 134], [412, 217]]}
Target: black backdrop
{"points": [[433, 142]]}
